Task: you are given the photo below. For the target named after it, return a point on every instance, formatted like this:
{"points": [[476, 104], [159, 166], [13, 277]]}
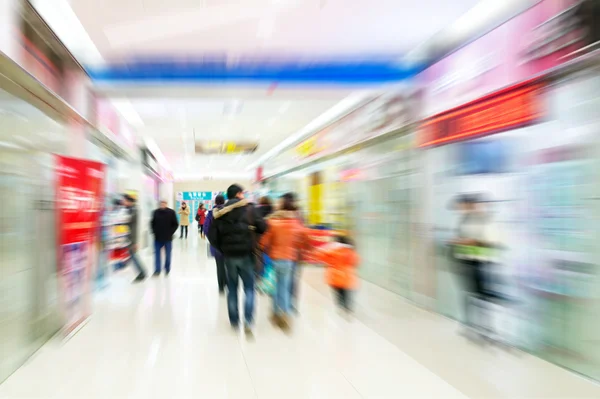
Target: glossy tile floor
{"points": [[170, 338]]}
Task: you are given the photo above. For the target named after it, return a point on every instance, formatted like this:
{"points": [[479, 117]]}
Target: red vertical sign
{"points": [[79, 190]]}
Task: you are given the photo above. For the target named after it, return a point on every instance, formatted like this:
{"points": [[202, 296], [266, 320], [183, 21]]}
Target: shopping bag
{"points": [[268, 280]]}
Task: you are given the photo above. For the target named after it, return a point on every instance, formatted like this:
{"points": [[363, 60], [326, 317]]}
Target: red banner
{"points": [[505, 110], [79, 186]]}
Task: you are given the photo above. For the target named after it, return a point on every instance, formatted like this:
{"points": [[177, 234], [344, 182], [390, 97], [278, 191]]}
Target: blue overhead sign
{"points": [[372, 70], [196, 195]]}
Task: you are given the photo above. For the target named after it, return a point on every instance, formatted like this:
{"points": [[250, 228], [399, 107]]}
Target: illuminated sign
{"points": [[497, 112], [311, 146], [225, 147]]}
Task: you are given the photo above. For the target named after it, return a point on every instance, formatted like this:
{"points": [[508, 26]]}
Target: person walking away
{"points": [[184, 219], [296, 273], [220, 260], [164, 225], [285, 238], [132, 248], [201, 218], [233, 234], [341, 261]]}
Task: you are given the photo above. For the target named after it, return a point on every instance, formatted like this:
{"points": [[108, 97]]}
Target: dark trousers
{"points": [[221, 273], [158, 246], [474, 285], [240, 268], [343, 296], [183, 228]]}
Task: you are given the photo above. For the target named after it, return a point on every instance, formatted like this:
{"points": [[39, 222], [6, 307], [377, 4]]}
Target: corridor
{"points": [[170, 338]]}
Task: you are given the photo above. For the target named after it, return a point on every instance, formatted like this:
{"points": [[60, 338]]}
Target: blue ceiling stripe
{"points": [[351, 72]]}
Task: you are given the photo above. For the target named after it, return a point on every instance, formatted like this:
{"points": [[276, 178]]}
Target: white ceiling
{"points": [[175, 124], [294, 29], [330, 28]]}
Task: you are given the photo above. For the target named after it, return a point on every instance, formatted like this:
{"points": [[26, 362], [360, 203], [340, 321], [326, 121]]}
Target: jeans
{"points": [[221, 272], [136, 262], [183, 228], [158, 245], [282, 299], [240, 267], [294, 286]]}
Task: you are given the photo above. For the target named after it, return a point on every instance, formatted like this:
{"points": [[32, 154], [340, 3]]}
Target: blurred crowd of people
{"points": [[262, 245]]}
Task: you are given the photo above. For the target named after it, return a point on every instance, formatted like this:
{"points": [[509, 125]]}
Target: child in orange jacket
{"points": [[341, 261]]}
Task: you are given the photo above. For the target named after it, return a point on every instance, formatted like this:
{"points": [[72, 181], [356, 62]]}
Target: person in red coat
{"points": [[201, 218]]}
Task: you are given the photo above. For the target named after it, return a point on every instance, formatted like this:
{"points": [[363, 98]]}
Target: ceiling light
{"points": [[271, 121], [233, 107], [128, 112], [285, 107], [12, 146], [23, 140]]}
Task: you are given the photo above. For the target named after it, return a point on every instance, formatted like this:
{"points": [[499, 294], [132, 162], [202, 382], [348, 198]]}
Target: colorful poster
{"points": [[79, 189], [530, 44]]}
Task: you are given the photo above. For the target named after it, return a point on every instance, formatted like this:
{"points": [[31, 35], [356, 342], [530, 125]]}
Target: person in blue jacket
{"points": [[221, 272]]}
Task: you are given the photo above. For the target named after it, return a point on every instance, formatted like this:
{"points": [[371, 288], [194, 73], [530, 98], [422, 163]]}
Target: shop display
{"points": [[118, 236]]}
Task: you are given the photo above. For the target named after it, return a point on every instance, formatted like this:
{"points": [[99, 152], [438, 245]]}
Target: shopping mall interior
{"points": [[395, 160]]}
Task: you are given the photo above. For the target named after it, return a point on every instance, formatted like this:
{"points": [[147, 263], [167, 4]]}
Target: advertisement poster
{"points": [[532, 43], [80, 189]]}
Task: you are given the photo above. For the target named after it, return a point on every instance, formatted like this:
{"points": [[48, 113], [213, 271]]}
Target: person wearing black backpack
{"points": [[233, 233]]}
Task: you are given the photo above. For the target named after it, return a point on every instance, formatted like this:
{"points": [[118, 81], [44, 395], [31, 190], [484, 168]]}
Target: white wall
{"points": [[167, 193]]}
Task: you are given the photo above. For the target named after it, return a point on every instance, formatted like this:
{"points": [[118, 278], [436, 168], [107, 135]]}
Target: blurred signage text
{"points": [[492, 114]]}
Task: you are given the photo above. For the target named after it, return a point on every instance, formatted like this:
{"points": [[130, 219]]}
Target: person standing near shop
{"points": [[285, 238], [233, 233], [164, 225], [201, 218], [473, 249], [132, 226], [184, 219], [221, 272]]}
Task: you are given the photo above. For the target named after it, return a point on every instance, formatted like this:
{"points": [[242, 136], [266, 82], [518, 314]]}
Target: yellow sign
{"points": [[310, 146], [226, 147]]}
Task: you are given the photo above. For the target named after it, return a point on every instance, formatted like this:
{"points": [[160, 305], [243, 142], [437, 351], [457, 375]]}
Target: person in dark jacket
{"points": [[132, 225], [164, 224], [233, 234], [221, 272]]}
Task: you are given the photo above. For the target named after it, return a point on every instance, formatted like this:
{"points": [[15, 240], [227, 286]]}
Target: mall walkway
{"points": [[169, 338]]}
